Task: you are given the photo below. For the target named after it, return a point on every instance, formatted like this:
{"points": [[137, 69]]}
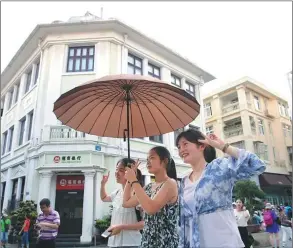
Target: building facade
{"points": [[42, 158], [249, 116]]}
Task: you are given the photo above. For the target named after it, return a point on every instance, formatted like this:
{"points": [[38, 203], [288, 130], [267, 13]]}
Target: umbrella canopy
{"points": [[99, 107]]}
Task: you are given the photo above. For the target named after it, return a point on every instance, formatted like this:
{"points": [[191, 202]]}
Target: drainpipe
{"points": [[37, 96]]}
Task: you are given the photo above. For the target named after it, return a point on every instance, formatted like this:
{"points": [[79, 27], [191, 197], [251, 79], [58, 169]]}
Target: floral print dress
{"points": [[160, 229]]}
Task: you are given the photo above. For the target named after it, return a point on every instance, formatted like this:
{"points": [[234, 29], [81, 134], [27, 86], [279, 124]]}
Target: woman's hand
{"points": [[130, 175], [135, 166], [213, 140], [115, 229], [105, 178]]}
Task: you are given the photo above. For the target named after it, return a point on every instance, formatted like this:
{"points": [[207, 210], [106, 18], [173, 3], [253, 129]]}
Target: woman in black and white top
{"points": [[242, 216], [125, 225]]}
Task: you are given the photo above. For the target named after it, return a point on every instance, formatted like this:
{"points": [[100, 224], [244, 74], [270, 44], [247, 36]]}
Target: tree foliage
{"points": [[250, 192], [17, 216]]}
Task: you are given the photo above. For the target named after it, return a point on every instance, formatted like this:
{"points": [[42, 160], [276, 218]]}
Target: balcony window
{"points": [[81, 59], [209, 129], [134, 65], [28, 82], [4, 142], [30, 116], [252, 125], [233, 128], [257, 103], [10, 95], [190, 89], [175, 80], [261, 150], [17, 91], [239, 145], [194, 127], [261, 127], [287, 130], [290, 151], [157, 138], [207, 109], [37, 73], [21, 131], [154, 71], [11, 131]]}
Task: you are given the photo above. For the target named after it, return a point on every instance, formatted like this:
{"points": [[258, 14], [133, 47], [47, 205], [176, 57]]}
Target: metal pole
{"points": [[128, 128]]}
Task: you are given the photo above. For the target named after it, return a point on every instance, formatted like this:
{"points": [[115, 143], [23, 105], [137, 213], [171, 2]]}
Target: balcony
{"points": [[233, 128], [269, 114], [230, 103], [65, 134], [230, 107]]}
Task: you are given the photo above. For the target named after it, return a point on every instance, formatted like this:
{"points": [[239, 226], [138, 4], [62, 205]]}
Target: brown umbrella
{"points": [[112, 105]]}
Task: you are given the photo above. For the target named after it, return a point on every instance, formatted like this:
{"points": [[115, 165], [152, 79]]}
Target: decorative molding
{"points": [[19, 171], [3, 178]]}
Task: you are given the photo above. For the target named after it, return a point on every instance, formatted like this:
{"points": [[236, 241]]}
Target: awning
{"points": [[271, 179]]}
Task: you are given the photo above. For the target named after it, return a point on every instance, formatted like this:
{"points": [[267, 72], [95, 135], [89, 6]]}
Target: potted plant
{"points": [[101, 225]]}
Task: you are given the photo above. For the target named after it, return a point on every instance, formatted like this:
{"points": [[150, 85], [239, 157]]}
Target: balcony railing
{"points": [[231, 131], [64, 134], [57, 133], [230, 107]]}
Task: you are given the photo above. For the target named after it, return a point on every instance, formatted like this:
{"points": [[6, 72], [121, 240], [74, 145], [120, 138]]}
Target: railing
{"points": [[231, 131], [253, 130], [61, 132], [230, 107]]}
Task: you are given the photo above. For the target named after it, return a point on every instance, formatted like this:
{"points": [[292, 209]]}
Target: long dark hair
{"points": [[164, 154], [193, 136], [125, 163]]}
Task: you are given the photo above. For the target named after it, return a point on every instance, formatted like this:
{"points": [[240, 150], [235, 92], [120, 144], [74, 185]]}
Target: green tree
{"points": [[250, 192]]}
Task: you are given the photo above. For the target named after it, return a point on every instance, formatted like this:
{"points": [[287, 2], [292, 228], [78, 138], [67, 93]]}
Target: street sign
{"points": [[98, 148]]}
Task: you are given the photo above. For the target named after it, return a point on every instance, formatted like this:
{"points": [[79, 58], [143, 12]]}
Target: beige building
{"points": [[247, 115]]}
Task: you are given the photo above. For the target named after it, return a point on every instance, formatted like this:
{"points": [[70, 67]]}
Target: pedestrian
{"points": [[126, 223], [159, 200], [288, 210], [206, 193], [285, 228], [5, 227], [48, 223], [25, 230], [242, 216], [272, 227]]}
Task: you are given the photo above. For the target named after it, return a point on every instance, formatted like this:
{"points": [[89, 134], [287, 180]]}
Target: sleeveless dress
{"points": [[160, 230]]}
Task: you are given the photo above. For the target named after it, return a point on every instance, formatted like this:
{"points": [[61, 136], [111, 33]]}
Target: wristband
{"points": [[225, 147], [133, 183]]}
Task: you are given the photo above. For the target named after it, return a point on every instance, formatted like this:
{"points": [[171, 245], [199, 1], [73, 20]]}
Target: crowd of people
{"points": [[165, 213]]}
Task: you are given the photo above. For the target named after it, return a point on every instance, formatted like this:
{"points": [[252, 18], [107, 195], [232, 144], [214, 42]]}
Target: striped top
{"points": [[52, 218]]}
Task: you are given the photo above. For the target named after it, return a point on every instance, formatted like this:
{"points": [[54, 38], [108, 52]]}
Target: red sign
{"points": [[70, 182], [56, 159]]}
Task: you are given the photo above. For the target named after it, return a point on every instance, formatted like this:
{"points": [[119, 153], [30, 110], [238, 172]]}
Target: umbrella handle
{"points": [[124, 134]]}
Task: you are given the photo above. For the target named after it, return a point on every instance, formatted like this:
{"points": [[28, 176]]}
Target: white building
{"points": [[40, 158]]}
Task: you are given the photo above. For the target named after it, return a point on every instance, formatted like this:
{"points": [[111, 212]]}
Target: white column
{"points": [[183, 86], [53, 191], [200, 101], [124, 60], [145, 66], [30, 176], [22, 85], [19, 186], [8, 189], [88, 207], [45, 185], [26, 127], [98, 204]]}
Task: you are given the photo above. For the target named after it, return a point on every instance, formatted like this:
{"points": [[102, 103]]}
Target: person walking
{"points": [[48, 223], [285, 228], [125, 223], [206, 193], [272, 227], [25, 230], [242, 216], [5, 226]]}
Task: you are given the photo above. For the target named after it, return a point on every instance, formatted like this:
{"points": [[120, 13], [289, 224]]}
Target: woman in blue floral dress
{"points": [[159, 200], [206, 193]]}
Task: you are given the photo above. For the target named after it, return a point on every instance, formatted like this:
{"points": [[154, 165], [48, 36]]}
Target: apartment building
{"points": [[42, 158], [248, 115]]}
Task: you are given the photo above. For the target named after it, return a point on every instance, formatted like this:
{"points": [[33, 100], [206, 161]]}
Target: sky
{"points": [[228, 39]]}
